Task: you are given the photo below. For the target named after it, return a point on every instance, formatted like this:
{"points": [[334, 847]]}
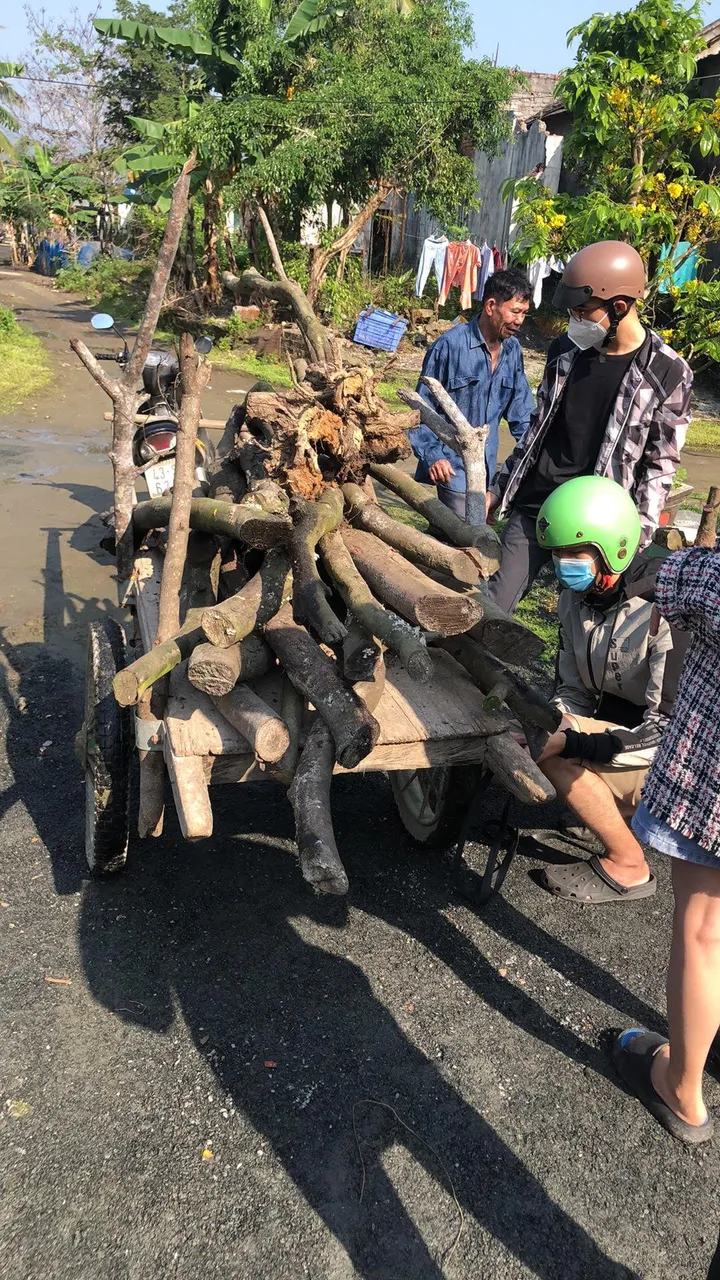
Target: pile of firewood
{"points": [[292, 561]]}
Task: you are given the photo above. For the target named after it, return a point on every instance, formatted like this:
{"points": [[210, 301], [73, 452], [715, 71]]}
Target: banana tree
{"points": [[9, 98]]}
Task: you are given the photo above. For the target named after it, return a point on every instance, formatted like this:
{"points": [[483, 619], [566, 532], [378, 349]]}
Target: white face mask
{"points": [[586, 333]]}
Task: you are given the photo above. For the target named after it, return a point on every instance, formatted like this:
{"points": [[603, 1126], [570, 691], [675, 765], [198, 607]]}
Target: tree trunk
{"points": [[216, 671], [245, 522], [323, 257], [310, 604], [190, 266], [354, 730], [418, 547], [373, 618], [407, 590], [317, 340], [211, 226], [227, 623], [484, 539], [272, 243], [470, 446], [707, 529], [264, 729], [309, 795]]}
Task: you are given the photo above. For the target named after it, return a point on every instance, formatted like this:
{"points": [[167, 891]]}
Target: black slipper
{"points": [[633, 1053]]}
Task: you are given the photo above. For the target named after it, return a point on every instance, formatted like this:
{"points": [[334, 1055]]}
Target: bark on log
{"points": [[231, 620], [292, 708], [481, 537], [516, 771], [316, 337], [194, 375], [503, 636], [216, 671], [227, 483], [488, 672], [407, 590], [264, 729], [309, 795], [244, 521], [354, 730], [471, 447], [151, 798], [130, 683], [360, 653], [707, 529], [418, 547], [376, 620], [312, 520]]}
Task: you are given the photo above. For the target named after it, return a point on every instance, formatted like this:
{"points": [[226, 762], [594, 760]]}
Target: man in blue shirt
{"points": [[481, 366]]}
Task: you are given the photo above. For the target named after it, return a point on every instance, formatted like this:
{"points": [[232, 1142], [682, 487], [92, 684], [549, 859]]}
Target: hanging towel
{"points": [[686, 272], [432, 255], [537, 273]]}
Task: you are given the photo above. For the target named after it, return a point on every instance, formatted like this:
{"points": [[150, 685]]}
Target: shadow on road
{"points": [[217, 933]]}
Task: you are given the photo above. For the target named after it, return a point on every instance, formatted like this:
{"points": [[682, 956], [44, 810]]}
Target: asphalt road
{"points": [[197, 1096]]}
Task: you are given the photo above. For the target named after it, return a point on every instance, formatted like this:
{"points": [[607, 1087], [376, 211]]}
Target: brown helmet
{"points": [[608, 269]]}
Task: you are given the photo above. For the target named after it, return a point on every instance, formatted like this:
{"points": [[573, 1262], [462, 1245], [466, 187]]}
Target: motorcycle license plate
{"points": [[159, 479]]}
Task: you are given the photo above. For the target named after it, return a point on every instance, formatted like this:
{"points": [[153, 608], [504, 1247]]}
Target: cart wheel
{"points": [[108, 751], [432, 802]]}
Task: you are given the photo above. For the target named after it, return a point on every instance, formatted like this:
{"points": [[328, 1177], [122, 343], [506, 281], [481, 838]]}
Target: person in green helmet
{"points": [[618, 670]]}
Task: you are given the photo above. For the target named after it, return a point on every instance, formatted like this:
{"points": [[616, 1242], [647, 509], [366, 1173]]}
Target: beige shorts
{"points": [[625, 784]]}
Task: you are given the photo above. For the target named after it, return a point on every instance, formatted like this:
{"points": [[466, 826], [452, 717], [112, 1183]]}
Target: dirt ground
{"points": [[235, 1080]]}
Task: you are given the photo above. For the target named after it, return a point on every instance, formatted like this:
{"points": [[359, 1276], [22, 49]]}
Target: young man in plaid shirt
{"points": [[614, 401]]}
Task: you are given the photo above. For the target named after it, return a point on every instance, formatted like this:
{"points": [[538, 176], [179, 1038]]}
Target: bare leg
{"points": [[693, 990], [594, 803]]}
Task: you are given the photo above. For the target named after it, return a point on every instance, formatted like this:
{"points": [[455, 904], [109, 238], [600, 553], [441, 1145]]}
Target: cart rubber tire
{"points": [[432, 803], [108, 752]]}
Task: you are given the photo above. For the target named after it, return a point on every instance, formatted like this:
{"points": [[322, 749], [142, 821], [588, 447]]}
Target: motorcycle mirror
{"points": [[203, 345], [102, 321]]}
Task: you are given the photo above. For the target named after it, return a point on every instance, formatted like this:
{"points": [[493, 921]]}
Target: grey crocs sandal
{"points": [[588, 881]]}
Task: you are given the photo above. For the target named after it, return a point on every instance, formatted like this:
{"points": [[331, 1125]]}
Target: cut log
{"points": [[360, 653], [355, 731], [503, 636], [407, 590], [292, 709], [264, 729], [216, 671], [151, 798], [471, 447], [669, 538], [231, 620], [436, 513], [309, 795], [376, 621], [310, 604], [130, 683], [516, 771], [488, 673], [247, 522], [419, 547], [707, 530], [191, 795]]}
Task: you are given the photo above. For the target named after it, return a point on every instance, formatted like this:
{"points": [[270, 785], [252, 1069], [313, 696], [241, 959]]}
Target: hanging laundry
{"points": [[537, 273], [497, 258], [461, 269], [432, 255], [486, 269], [686, 271]]}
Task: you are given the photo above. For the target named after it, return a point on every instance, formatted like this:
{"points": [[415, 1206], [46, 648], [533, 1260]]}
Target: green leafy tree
{"points": [[637, 133], [10, 100]]}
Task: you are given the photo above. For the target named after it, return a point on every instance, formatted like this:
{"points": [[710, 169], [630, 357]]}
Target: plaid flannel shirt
{"points": [[683, 785], [644, 436]]}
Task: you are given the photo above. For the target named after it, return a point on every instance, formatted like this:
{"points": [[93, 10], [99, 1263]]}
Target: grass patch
{"points": [[704, 435], [110, 284], [538, 611], [24, 365], [241, 360]]}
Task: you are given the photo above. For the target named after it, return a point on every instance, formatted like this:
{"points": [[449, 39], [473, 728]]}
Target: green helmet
{"points": [[594, 511]]}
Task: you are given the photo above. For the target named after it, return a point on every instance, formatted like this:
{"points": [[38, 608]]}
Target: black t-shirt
{"points": [[574, 437]]}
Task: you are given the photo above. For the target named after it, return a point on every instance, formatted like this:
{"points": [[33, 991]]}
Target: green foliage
{"points": [[146, 80], [237, 331], [111, 284], [695, 324], [24, 366], [538, 611], [9, 100]]}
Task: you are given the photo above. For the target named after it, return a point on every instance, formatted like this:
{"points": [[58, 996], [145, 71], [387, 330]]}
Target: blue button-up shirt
{"points": [[460, 360]]}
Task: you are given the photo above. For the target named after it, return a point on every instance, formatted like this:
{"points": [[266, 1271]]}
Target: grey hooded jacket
{"points": [[618, 663]]}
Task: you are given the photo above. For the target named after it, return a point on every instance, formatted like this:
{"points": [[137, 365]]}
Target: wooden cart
{"points": [[437, 743]]}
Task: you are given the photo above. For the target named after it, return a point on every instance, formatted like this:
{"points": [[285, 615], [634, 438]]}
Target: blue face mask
{"points": [[576, 575]]}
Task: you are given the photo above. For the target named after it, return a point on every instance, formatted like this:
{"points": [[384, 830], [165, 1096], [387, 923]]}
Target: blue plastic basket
{"points": [[376, 328]]}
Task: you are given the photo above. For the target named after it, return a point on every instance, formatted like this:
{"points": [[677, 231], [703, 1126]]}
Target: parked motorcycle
{"points": [[155, 439]]}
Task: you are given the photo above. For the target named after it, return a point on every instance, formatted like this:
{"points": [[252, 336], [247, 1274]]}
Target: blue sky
{"points": [[531, 35]]}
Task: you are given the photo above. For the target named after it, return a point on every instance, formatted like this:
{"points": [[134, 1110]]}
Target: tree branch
{"points": [[272, 242]]}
